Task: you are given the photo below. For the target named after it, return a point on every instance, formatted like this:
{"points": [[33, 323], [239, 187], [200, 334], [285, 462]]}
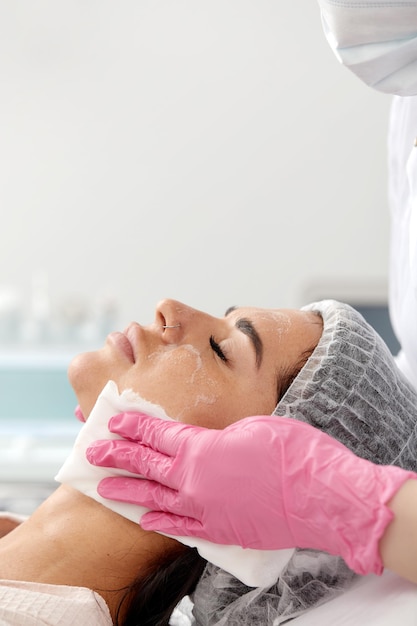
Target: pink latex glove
{"points": [[79, 414], [263, 482]]}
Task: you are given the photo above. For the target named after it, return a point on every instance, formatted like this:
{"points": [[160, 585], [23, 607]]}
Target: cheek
{"points": [[175, 362], [82, 372], [205, 410], [195, 391], [230, 403], [188, 396], [179, 379]]}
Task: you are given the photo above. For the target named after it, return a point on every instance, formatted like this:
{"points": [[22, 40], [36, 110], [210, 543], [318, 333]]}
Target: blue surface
{"points": [[35, 388]]}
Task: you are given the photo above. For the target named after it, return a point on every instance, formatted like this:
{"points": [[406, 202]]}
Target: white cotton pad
{"points": [[255, 568]]}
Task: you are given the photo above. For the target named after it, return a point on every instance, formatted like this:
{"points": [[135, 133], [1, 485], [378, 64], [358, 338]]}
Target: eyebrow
{"points": [[247, 328]]}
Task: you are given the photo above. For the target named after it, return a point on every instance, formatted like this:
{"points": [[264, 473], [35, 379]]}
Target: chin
{"points": [[77, 371], [86, 380]]}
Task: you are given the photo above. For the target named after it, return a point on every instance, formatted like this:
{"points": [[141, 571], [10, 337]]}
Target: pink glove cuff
{"points": [[362, 552], [358, 513]]}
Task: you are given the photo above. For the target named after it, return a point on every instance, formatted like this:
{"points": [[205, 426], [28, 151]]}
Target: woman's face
{"points": [[207, 371]]}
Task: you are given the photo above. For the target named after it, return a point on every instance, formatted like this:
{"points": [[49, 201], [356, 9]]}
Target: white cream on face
{"points": [[180, 358], [276, 323], [184, 354], [199, 400], [198, 362], [206, 399]]}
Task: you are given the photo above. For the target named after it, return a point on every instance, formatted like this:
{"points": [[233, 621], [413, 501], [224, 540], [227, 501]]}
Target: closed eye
{"points": [[217, 349], [248, 329]]}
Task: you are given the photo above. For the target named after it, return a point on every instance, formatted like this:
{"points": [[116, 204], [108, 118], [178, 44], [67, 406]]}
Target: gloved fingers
{"points": [[123, 489], [161, 435], [131, 457], [171, 524], [145, 493]]}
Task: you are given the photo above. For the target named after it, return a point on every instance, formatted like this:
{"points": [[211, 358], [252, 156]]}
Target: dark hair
{"points": [[152, 597], [286, 378]]}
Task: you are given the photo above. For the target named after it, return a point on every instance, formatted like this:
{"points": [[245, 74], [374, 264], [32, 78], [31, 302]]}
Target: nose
{"points": [[177, 320], [171, 314]]}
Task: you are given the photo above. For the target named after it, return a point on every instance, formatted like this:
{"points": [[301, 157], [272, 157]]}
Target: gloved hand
{"points": [[263, 482]]}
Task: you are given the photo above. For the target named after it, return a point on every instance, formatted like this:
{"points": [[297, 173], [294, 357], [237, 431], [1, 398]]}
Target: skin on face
{"points": [[207, 371]]}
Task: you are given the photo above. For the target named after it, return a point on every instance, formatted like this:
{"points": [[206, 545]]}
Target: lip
{"points": [[123, 344]]}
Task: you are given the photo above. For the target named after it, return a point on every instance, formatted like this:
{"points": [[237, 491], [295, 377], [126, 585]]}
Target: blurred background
{"points": [[213, 152]]}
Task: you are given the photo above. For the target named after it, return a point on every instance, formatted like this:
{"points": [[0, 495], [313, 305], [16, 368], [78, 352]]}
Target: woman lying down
{"points": [[75, 561]]}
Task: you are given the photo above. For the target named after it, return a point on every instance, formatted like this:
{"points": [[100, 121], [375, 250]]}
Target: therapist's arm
{"points": [[398, 546]]}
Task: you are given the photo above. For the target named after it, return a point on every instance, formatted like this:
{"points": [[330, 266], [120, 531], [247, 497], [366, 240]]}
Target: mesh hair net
{"points": [[351, 389]]}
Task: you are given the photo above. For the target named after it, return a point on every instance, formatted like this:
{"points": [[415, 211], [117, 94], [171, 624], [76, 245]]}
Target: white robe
{"points": [[378, 42], [27, 604]]}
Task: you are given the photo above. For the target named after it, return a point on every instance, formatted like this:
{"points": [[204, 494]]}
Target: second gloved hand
{"points": [[264, 482]]}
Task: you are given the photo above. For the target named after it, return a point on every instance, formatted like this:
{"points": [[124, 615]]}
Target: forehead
{"points": [[273, 319], [285, 333]]}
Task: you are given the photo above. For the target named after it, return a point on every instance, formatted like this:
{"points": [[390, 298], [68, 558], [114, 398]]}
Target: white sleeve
{"points": [[377, 40]]}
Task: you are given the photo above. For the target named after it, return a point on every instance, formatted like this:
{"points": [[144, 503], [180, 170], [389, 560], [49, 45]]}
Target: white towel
{"points": [[255, 568]]}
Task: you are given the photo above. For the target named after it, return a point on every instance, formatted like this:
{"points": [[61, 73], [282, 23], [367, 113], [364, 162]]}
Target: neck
{"points": [[73, 540]]}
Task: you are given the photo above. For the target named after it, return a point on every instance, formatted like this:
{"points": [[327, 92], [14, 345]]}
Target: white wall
{"points": [[212, 151]]}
